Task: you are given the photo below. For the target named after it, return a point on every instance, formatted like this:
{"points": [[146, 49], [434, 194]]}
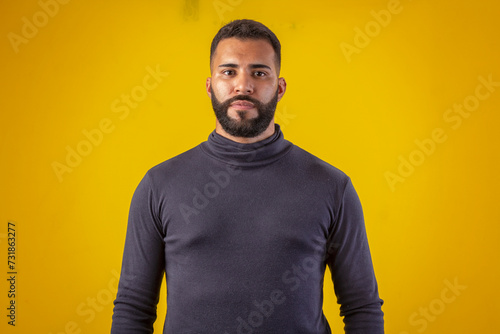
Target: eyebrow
{"points": [[252, 66]]}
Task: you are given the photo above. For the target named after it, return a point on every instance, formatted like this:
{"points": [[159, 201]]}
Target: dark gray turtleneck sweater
{"points": [[243, 233]]}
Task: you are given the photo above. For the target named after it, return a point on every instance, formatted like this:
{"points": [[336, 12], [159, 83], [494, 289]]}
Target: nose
{"points": [[243, 84]]}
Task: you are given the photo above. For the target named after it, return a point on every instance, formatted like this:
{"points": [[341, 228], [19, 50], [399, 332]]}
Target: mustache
{"points": [[256, 102]]}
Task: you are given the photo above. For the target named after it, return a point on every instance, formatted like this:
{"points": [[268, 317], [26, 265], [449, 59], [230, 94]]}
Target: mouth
{"points": [[242, 105]]}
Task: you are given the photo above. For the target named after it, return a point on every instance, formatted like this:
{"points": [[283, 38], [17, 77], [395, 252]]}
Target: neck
{"points": [[249, 155], [244, 140]]}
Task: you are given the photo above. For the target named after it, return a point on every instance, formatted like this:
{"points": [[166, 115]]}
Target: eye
{"points": [[260, 74], [228, 72]]}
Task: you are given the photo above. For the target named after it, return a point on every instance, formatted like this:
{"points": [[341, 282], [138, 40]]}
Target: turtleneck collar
{"points": [[247, 155]]}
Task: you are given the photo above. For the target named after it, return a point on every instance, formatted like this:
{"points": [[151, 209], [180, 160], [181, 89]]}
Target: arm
{"points": [[142, 267], [352, 270]]}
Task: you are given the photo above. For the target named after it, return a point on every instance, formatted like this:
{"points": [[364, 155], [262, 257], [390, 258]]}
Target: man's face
{"points": [[244, 87]]}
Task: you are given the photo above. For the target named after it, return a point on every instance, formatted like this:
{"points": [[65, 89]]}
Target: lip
{"points": [[242, 105]]}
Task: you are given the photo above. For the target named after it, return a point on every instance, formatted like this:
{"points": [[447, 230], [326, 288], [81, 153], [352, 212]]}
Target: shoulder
{"points": [[179, 161], [313, 165], [307, 171], [321, 180], [178, 167]]}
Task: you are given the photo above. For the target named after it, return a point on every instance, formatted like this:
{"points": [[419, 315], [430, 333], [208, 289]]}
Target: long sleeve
{"points": [[352, 269], [243, 233], [143, 265]]}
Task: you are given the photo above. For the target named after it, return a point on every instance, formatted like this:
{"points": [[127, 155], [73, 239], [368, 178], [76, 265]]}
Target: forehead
{"points": [[237, 51]]}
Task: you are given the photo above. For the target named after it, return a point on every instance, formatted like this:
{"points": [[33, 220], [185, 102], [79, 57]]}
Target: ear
{"points": [[208, 87], [281, 88]]}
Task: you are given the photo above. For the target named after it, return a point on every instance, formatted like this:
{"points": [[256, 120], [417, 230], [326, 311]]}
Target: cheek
{"points": [[270, 91], [222, 89]]}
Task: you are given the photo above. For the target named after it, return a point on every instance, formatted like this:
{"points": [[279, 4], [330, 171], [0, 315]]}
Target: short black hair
{"points": [[247, 29]]}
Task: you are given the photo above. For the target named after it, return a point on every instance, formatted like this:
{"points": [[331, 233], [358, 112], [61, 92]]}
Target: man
{"points": [[244, 224]]}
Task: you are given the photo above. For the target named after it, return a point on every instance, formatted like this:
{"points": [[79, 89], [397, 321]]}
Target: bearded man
{"points": [[244, 224]]}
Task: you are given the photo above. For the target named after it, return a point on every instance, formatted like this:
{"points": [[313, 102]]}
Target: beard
{"points": [[243, 127]]}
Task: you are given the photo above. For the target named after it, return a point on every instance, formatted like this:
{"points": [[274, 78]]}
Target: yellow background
{"points": [[361, 112]]}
